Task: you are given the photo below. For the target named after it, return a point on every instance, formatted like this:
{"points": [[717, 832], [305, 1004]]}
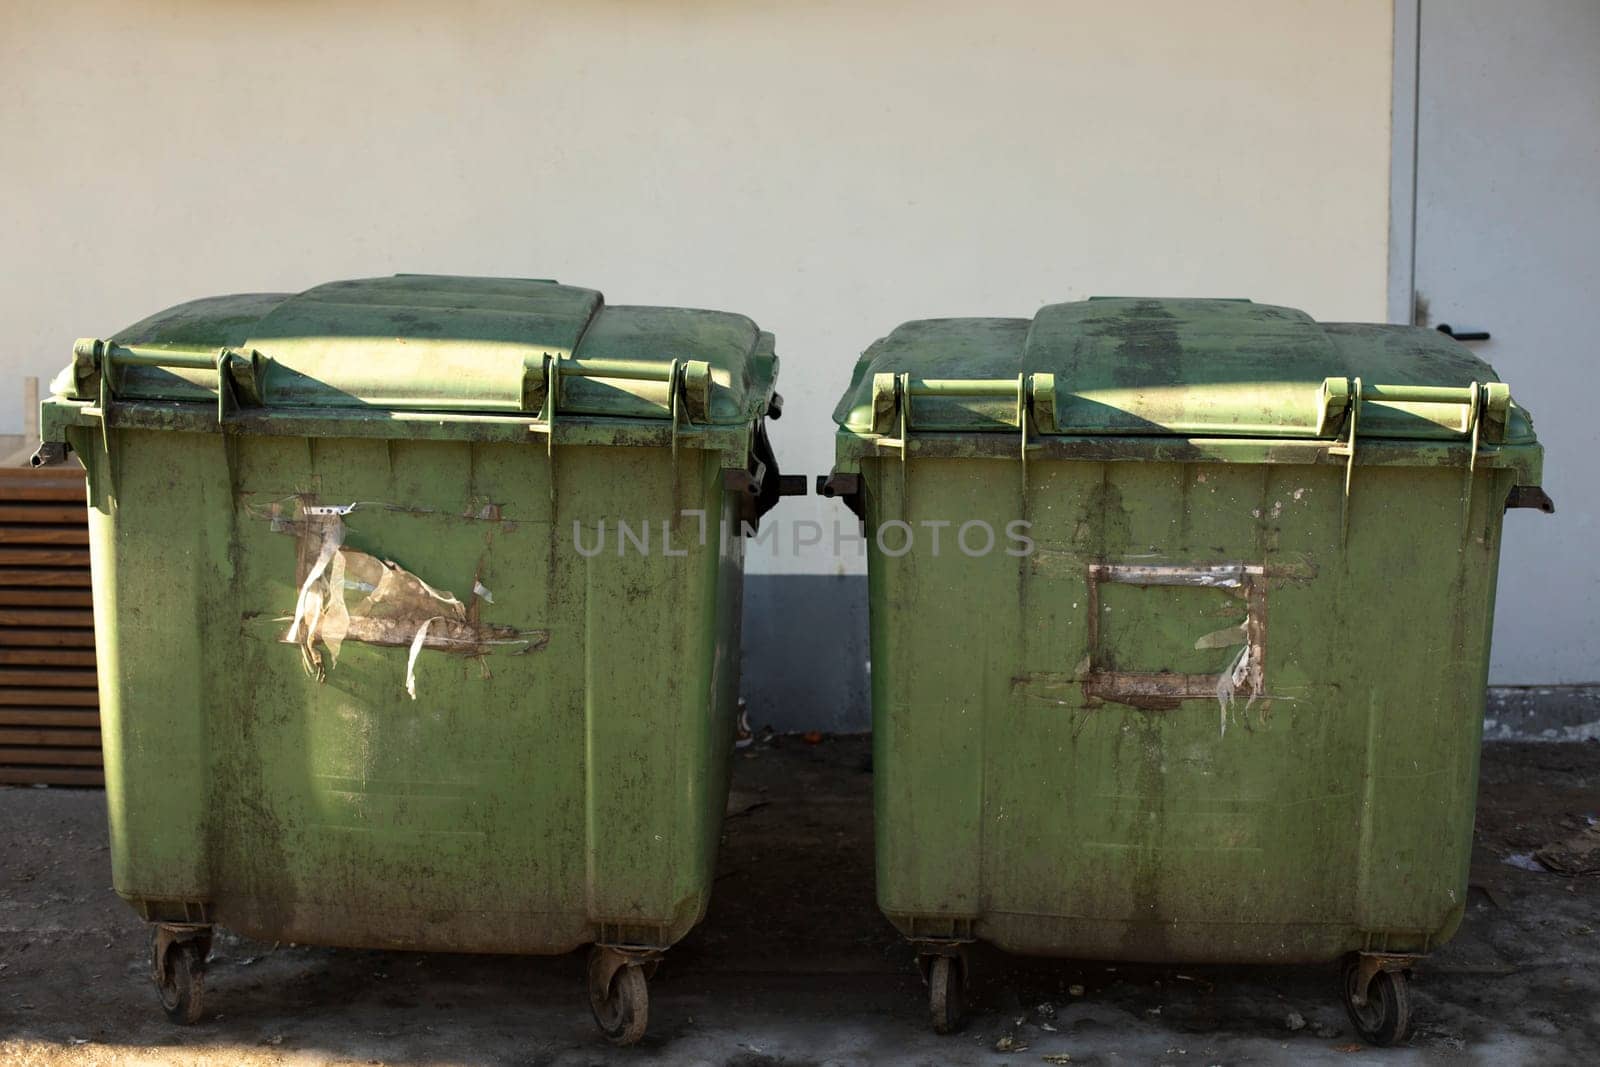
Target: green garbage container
{"points": [[417, 611], [1180, 618]]}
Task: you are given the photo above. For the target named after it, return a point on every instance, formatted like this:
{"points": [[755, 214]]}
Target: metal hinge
{"points": [[1485, 407], [688, 381], [892, 396], [1530, 496], [688, 392]]}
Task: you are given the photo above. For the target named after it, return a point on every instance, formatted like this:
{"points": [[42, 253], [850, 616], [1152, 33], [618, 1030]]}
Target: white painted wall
{"points": [[1508, 219], [829, 168]]}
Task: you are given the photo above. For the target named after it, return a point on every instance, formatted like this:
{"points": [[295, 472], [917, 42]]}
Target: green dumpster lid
{"points": [[1175, 367], [441, 343]]}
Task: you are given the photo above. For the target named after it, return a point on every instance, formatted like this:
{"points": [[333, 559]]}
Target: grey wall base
{"points": [[1542, 713], [805, 652]]}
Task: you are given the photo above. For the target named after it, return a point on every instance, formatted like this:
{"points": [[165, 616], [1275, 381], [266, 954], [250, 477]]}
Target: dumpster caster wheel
{"points": [[1383, 1016], [179, 971], [946, 994], [619, 995]]}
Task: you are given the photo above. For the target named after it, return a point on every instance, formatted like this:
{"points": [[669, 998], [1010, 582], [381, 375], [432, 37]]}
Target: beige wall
{"points": [[829, 168]]}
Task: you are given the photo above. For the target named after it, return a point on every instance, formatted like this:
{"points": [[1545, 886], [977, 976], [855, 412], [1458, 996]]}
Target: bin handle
{"points": [[688, 380], [242, 378], [1485, 405], [892, 395]]}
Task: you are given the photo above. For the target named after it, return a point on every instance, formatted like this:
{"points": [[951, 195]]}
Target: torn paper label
{"points": [[350, 595], [336, 615]]}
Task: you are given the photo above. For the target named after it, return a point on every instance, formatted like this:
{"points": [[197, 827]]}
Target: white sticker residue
{"points": [[1242, 670], [416, 649], [332, 535], [326, 510]]}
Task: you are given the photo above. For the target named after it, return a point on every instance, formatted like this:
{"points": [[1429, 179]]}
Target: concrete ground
{"points": [[794, 965]]}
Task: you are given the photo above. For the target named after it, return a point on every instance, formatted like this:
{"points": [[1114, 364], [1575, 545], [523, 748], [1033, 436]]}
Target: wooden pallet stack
{"points": [[49, 706]]}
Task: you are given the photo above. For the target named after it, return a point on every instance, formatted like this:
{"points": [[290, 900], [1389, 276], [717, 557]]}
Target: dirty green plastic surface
{"points": [[561, 773], [1228, 707], [1121, 366], [431, 343]]}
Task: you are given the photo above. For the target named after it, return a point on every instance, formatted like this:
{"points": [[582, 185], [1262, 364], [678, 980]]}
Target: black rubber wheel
{"points": [[1385, 1019], [625, 1012], [182, 981], [946, 994]]}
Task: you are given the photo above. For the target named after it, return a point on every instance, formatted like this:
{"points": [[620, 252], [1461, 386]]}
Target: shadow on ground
{"points": [[794, 965]]}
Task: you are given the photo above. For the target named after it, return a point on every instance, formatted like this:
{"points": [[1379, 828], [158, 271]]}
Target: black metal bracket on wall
{"points": [[846, 487], [1530, 496], [762, 485]]}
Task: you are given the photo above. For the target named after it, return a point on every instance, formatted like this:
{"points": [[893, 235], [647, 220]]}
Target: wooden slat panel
{"points": [[42, 512], [44, 557], [76, 698], [46, 657], [46, 491], [36, 736], [51, 776], [53, 757], [61, 479], [70, 677], [43, 475], [49, 725], [14, 534], [34, 617], [50, 717], [44, 577], [32, 599], [60, 638], [58, 479]]}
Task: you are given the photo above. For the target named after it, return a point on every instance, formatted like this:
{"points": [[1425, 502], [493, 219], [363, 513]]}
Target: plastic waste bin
{"points": [[417, 611], [1180, 619]]}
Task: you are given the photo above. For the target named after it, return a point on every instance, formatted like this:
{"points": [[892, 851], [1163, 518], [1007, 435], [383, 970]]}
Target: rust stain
{"points": [[1149, 691], [1166, 690]]}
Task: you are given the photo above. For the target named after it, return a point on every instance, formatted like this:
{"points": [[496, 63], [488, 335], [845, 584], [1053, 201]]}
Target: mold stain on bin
{"points": [[1145, 935], [1146, 334]]}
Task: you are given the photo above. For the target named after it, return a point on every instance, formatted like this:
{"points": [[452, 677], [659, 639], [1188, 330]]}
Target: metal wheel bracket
{"points": [[928, 951], [607, 960], [168, 935], [1369, 964], [846, 487]]}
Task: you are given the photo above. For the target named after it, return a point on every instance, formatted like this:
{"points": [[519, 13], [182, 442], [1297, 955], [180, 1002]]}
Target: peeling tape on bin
{"points": [[349, 595]]}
